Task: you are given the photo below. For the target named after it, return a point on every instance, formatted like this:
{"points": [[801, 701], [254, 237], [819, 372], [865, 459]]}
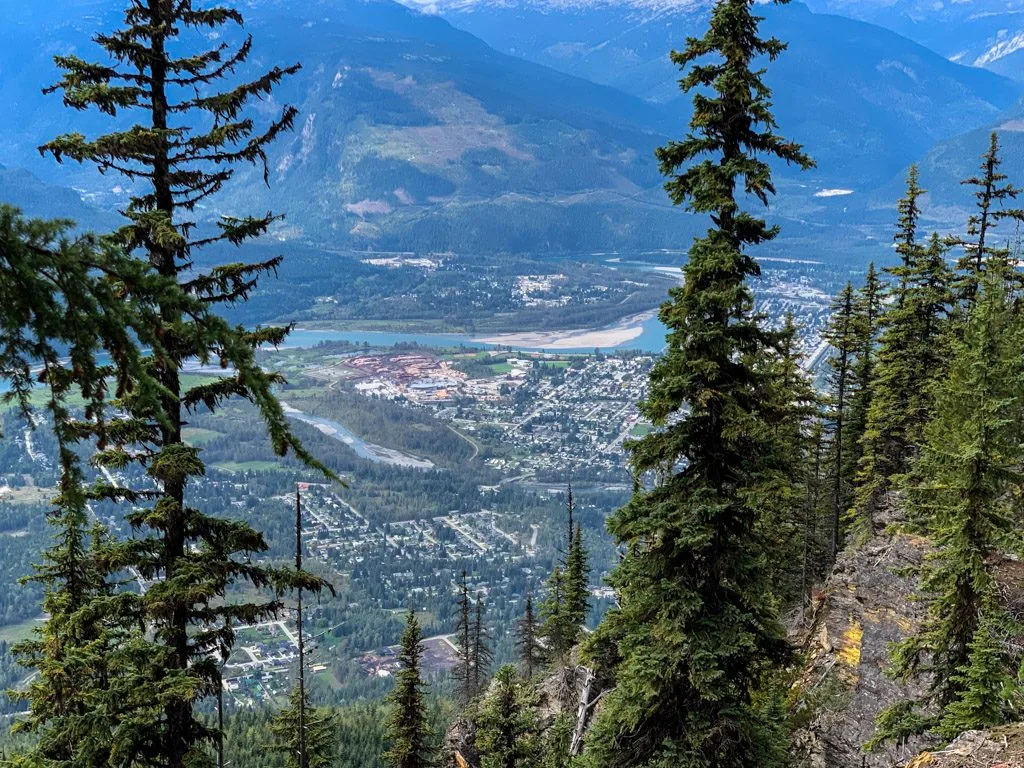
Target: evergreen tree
{"points": [[506, 727], [697, 631], [191, 557], [320, 727], [62, 304], [989, 691], [463, 671], [557, 742], [577, 588], [842, 335], [867, 316], [908, 247], [910, 358], [958, 493], [557, 627], [817, 518], [790, 405], [482, 652], [531, 654], [408, 731], [992, 192]]}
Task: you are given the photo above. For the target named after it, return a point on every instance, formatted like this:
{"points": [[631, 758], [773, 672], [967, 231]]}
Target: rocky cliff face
{"points": [[998, 748], [867, 604]]}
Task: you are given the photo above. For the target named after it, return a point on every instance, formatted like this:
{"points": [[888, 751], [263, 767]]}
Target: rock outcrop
{"points": [[867, 605], [998, 748]]}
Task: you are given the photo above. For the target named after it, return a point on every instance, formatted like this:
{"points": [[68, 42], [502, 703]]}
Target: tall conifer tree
{"points": [[557, 627], [318, 746], [531, 654], [696, 632], [842, 336], [408, 731], [463, 671], [63, 303], [182, 151], [483, 654], [992, 193], [868, 314], [577, 589]]}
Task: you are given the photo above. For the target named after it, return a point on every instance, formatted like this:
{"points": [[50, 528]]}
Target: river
{"points": [[366, 450]]}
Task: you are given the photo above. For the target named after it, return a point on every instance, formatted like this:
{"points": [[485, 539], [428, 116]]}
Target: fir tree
{"points": [[408, 731], [817, 520], [557, 627], [958, 493], [318, 746], [577, 589], [989, 691], [697, 632], [482, 652], [506, 727], [867, 316], [62, 303], [191, 557], [531, 654], [992, 193], [463, 671], [842, 336]]}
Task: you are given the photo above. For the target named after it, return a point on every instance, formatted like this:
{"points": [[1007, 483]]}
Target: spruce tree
{"points": [[183, 150], [818, 513], [531, 654], [959, 493], [319, 748], [696, 632], [557, 743], [506, 727], [842, 335], [408, 731]]}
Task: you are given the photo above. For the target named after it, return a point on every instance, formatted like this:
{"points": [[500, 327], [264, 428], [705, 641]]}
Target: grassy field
{"points": [[15, 633], [641, 430], [250, 466], [196, 436]]}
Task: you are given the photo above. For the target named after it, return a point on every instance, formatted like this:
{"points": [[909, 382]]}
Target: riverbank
{"points": [[618, 335], [362, 448]]}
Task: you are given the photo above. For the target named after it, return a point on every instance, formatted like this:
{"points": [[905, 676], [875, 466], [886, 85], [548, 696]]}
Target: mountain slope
{"points": [[36, 199], [980, 33], [865, 100]]}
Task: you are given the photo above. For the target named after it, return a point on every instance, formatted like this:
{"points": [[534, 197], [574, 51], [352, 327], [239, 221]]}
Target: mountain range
{"points": [[522, 127], [979, 33]]}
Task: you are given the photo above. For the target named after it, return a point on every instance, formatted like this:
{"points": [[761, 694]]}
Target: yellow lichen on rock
{"points": [[849, 654], [925, 758]]}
